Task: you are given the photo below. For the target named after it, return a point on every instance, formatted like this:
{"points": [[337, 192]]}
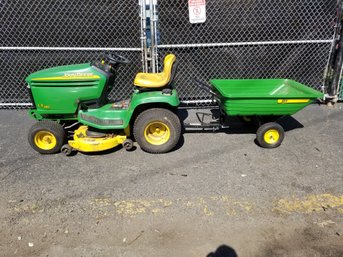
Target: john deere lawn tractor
{"points": [[73, 111]]}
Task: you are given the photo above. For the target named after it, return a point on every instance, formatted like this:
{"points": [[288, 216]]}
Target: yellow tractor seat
{"points": [[157, 80]]}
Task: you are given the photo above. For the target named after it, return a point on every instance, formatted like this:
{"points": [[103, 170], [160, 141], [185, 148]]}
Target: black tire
{"points": [[169, 130], [128, 144], [270, 135], [46, 137], [67, 150]]}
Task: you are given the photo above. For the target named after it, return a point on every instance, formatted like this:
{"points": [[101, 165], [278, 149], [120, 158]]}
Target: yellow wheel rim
{"points": [[271, 136], [157, 133], [45, 140]]}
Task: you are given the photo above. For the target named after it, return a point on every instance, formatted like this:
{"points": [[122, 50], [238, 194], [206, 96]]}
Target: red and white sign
{"points": [[197, 11]]}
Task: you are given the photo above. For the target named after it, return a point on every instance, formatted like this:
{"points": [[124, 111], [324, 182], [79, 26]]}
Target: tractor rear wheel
{"points": [[46, 137], [157, 130]]}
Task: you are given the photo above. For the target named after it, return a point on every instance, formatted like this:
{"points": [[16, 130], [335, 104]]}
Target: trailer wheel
{"points": [[270, 135], [46, 137], [157, 130]]}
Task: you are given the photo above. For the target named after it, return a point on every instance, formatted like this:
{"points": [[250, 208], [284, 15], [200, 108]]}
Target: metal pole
{"points": [[143, 35], [152, 35], [155, 20], [339, 54], [337, 69], [331, 79]]}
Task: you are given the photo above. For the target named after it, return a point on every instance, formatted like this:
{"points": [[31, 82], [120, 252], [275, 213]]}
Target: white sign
{"points": [[197, 11]]}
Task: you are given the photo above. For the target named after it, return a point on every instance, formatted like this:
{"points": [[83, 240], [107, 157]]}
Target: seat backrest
{"points": [[173, 73], [169, 61]]}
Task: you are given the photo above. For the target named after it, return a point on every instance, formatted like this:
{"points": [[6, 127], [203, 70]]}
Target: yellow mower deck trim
{"points": [[83, 143]]}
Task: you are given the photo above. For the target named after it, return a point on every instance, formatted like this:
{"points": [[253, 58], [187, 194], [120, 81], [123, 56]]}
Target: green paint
{"points": [[138, 99], [260, 96], [58, 91], [261, 106], [61, 96]]}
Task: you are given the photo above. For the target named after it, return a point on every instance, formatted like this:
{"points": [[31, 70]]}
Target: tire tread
{"points": [[51, 126], [153, 114]]}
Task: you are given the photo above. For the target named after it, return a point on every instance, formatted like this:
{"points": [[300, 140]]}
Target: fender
{"points": [[108, 117], [138, 99]]}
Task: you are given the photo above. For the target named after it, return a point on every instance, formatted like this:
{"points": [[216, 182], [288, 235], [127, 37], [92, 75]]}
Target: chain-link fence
{"points": [[294, 61], [248, 39], [240, 39], [38, 34]]}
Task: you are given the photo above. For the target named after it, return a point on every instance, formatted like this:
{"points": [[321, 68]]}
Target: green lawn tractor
{"points": [[74, 113]]}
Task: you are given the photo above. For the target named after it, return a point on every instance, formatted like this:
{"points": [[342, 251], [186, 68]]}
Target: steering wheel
{"points": [[116, 58]]}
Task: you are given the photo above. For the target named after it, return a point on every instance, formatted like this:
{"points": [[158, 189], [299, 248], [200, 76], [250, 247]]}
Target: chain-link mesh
{"points": [[247, 21], [263, 61], [70, 23], [273, 28], [116, 24], [67, 24], [19, 64]]}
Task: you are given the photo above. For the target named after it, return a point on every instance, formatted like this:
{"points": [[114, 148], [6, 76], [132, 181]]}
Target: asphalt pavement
{"points": [[217, 194]]}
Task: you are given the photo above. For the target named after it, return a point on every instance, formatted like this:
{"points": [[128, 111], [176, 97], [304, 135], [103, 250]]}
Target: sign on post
{"points": [[197, 11]]}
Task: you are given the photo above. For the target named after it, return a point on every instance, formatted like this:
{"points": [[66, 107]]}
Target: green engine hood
{"points": [[77, 72], [59, 90]]}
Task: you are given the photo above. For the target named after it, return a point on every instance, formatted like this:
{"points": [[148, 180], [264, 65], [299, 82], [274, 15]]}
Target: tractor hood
{"points": [[59, 90], [68, 73]]}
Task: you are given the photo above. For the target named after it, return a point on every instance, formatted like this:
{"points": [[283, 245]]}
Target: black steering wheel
{"points": [[116, 58]]}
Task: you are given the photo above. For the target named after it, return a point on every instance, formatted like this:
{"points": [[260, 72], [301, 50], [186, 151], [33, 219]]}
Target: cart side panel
{"points": [[250, 107], [263, 88]]}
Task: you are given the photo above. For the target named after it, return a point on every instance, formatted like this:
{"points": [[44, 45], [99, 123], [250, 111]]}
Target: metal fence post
{"points": [[144, 36], [337, 69]]}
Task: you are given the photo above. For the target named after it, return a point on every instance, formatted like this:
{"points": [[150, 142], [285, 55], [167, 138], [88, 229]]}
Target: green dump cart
{"points": [[261, 100]]}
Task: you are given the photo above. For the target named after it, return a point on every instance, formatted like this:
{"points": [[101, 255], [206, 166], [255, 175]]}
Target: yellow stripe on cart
{"points": [[293, 101]]}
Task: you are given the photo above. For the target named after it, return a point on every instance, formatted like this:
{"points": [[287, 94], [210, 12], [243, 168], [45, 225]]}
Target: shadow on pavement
{"points": [[235, 124], [289, 123], [223, 251]]}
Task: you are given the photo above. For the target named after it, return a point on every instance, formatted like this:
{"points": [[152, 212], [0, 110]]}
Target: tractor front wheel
{"points": [[46, 137], [157, 130]]}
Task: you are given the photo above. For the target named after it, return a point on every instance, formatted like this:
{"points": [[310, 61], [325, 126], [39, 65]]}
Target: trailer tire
{"points": [[270, 135], [46, 137], [157, 130]]}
